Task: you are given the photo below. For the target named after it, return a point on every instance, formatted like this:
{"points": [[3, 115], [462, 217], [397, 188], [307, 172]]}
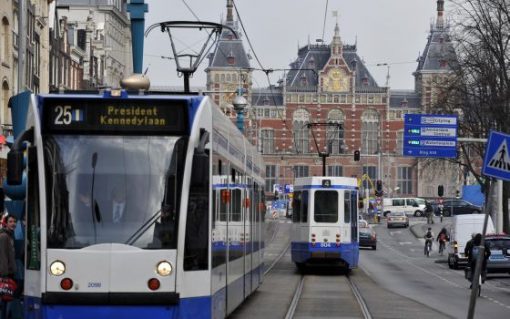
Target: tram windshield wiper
{"points": [[142, 229]]}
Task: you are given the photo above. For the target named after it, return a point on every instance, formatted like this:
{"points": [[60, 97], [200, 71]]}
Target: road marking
{"points": [[395, 232], [402, 243], [408, 260]]}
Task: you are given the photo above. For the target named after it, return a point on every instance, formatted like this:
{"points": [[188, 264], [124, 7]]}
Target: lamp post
{"points": [[240, 103]]}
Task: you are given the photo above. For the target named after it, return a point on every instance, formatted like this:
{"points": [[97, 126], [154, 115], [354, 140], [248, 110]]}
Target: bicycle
{"points": [[428, 247], [442, 245]]}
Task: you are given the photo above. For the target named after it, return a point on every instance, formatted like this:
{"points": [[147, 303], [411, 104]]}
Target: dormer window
{"points": [[404, 102], [443, 64], [231, 59], [304, 80], [441, 39], [265, 101], [311, 63], [364, 80]]}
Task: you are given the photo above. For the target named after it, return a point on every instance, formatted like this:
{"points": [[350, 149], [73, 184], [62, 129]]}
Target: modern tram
{"points": [[138, 205], [325, 222]]}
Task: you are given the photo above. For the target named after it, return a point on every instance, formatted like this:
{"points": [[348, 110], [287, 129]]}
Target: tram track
{"points": [[349, 302]]}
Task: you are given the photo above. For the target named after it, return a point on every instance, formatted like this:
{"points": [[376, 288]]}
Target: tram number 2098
{"points": [[94, 285]]}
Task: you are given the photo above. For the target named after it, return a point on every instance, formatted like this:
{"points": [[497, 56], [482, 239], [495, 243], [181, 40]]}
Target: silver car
{"points": [[499, 261]]}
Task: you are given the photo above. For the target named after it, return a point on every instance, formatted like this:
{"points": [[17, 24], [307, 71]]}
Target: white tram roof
{"points": [[318, 181]]}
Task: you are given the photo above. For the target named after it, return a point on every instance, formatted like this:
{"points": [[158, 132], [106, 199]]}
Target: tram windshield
{"points": [[113, 189]]}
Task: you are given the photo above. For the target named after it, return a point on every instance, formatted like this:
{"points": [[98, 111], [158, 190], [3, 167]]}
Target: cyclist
{"points": [[429, 237], [442, 238], [474, 253]]}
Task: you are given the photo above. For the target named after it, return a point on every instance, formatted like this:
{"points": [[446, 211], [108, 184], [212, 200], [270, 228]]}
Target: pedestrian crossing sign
{"points": [[497, 160]]}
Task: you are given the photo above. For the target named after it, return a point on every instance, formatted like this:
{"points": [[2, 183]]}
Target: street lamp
{"points": [[240, 103]]}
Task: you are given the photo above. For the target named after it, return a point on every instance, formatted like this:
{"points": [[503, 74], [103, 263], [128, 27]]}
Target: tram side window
{"points": [[347, 207], [296, 207], [235, 201], [304, 207], [225, 198], [33, 217], [197, 222], [326, 206]]}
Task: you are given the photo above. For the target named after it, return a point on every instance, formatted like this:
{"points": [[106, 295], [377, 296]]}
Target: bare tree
{"points": [[479, 88]]}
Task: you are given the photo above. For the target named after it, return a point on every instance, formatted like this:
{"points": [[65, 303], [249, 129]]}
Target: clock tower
{"points": [[336, 75]]}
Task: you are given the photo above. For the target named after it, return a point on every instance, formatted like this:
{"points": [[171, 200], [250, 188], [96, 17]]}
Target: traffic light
{"points": [[356, 156], [440, 190], [457, 194]]}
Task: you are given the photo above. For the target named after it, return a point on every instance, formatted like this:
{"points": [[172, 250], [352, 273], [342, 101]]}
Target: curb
{"points": [[414, 229]]}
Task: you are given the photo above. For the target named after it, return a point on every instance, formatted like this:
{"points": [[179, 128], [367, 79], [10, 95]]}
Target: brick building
{"points": [[328, 103]]}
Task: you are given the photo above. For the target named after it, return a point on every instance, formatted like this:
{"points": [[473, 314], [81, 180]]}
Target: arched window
{"points": [[335, 134], [4, 41], [301, 139], [369, 132]]}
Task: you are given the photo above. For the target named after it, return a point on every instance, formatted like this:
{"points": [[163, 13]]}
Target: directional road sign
{"points": [[497, 162], [430, 135]]}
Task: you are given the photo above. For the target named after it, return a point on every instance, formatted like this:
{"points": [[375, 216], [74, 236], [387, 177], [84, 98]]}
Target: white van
{"points": [[460, 232], [410, 206]]}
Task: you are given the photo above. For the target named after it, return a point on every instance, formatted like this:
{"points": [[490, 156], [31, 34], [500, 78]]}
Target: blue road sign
{"points": [[497, 162], [430, 135]]}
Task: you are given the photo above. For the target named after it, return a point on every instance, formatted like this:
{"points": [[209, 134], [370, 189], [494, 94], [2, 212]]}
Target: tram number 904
{"points": [[325, 245]]}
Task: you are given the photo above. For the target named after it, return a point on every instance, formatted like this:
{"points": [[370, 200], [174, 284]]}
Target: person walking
{"points": [[7, 257]]}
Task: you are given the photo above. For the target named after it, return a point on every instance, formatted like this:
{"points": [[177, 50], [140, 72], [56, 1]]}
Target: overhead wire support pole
{"points": [[325, 154]]}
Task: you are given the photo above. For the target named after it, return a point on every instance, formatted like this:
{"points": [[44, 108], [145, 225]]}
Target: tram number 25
{"points": [[64, 115], [325, 244]]}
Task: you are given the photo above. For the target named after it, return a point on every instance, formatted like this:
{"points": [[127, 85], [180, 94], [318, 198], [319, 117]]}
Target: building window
{"points": [[370, 132], [270, 177], [4, 103], [266, 141], [301, 137], [405, 180], [4, 41], [300, 171], [335, 134], [335, 170]]}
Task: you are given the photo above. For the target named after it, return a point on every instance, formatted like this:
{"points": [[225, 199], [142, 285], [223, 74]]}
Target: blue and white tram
{"points": [[123, 219], [325, 221]]}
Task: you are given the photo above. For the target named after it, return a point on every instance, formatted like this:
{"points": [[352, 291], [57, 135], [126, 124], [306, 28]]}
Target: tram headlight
{"points": [[57, 268], [164, 268]]}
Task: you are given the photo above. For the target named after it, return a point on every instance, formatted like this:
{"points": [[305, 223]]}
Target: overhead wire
{"points": [[266, 71]]}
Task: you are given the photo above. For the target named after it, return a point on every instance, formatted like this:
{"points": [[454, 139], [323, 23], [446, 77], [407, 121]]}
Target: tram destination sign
{"points": [[114, 116], [430, 135]]}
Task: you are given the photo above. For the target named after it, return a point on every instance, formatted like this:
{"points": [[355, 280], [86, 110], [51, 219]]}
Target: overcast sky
{"points": [[387, 31]]}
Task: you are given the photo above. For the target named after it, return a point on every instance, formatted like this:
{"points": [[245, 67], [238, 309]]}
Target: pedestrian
{"points": [[469, 246], [7, 257]]}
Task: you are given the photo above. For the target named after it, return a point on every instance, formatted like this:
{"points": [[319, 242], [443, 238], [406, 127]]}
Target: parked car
{"points": [[367, 236], [397, 219], [499, 261], [458, 207], [410, 206]]}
